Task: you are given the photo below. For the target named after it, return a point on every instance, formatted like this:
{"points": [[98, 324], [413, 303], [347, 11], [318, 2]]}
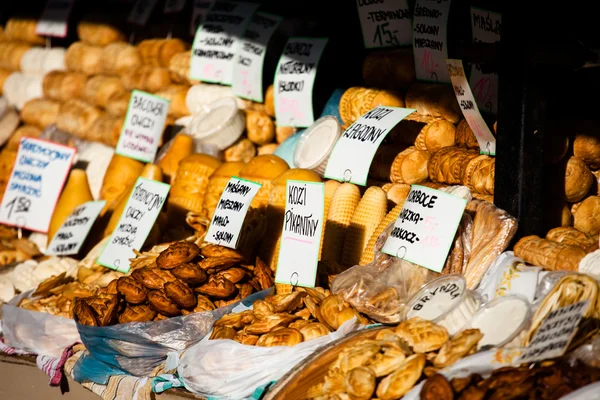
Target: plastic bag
{"points": [[37, 332], [138, 347], [229, 370]]}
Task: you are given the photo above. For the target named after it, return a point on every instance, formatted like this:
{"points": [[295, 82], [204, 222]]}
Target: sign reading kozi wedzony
{"points": [[72, 233], [39, 173], [231, 212], [143, 126], [353, 153], [142, 209], [301, 233], [425, 229]]}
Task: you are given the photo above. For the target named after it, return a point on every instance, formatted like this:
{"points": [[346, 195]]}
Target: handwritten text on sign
{"points": [[231, 212], [141, 211], [141, 11], [294, 80], [248, 68], [301, 234], [73, 232], [173, 6], [428, 305], [217, 41], [485, 26], [468, 105], [555, 333], [199, 10], [385, 23], [353, 153], [425, 229], [143, 126], [35, 183], [430, 44], [54, 19]]}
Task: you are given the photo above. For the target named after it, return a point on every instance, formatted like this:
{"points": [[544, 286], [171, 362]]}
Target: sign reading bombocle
{"points": [[72, 233], [143, 127], [301, 234], [140, 213], [425, 229], [353, 153], [231, 212]]}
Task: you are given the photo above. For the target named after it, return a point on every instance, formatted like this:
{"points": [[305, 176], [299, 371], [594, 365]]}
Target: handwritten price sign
{"points": [[385, 23], [425, 229], [468, 105], [430, 40], [54, 19]]}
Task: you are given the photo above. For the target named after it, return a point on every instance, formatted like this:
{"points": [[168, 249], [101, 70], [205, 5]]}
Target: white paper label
{"points": [[430, 42], [485, 27], [294, 80], [425, 229], [40, 171], [54, 20], [437, 299], [385, 23], [248, 68], [468, 105], [199, 10], [143, 127], [555, 333], [301, 234], [231, 212], [141, 11], [141, 211], [353, 153], [217, 41], [173, 6], [73, 232]]}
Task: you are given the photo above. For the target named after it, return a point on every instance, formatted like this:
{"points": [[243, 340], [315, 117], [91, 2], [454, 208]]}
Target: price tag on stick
{"points": [[485, 27], [39, 173], [294, 80], [54, 20], [72, 233], [353, 153], [430, 42], [141, 11], [425, 229], [468, 106], [301, 234], [248, 68], [217, 41], [556, 332], [173, 6], [385, 23], [142, 209], [199, 10], [231, 212], [143, 127]]}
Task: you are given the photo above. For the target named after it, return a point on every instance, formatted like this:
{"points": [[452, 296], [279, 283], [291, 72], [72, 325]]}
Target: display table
{"points": [[21, 379]]}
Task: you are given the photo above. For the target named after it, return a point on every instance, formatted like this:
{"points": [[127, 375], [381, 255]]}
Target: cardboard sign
{"points": [[294, 79], [54, 20], [485, 28], [141, 211], [141, 11], [40, 171], [555, 333], [231, 212], [301, 234], [248, 68], [143, 127], [385, 23], [173, 6], [217, 41], [353, 153], [199, 10], [425, 229], [72, 233], [468, 106], [430, 44]]}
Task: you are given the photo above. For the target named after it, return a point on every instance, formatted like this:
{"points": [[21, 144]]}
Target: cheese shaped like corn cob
{"points": [[330, 188], [368, 254], [343, 204]]}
